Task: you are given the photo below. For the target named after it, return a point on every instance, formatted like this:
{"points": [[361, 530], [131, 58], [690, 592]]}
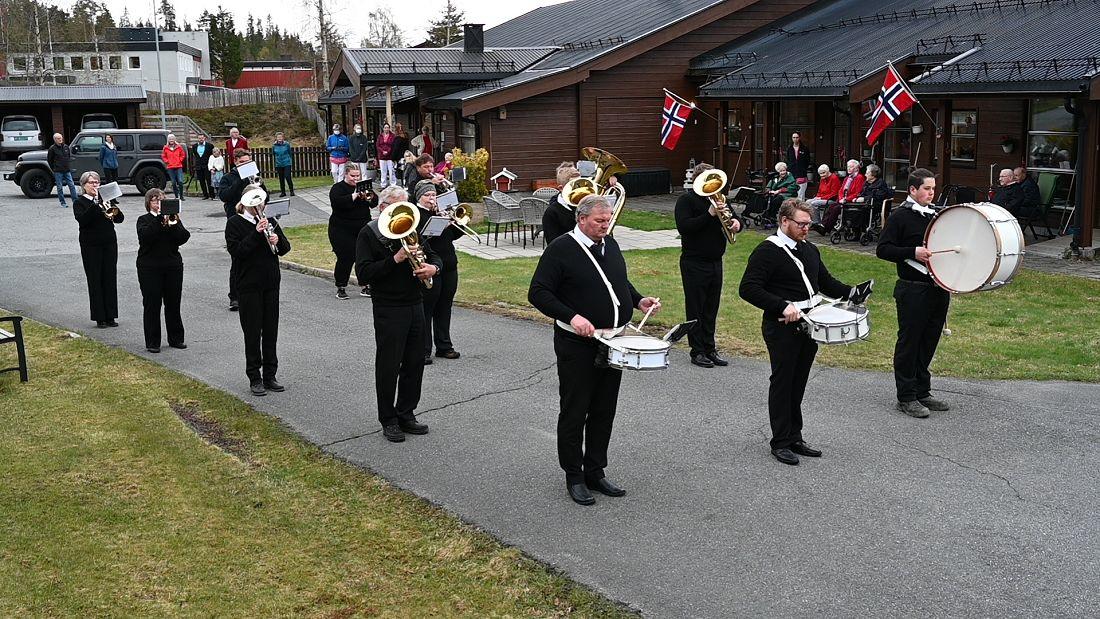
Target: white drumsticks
{"points": [[953, 250]]}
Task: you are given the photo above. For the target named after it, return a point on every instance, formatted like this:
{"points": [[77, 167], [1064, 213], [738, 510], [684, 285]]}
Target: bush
{"points": [[476, 185]]}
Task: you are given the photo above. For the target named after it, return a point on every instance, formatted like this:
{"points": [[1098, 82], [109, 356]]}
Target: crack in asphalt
{"points": [[524, 384], [1019, 497]]}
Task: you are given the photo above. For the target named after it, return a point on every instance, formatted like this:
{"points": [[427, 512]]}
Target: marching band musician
{"points": [[703, 244], [784, 277], [160, 271], [559, 218], [98, 249], [422, 169], [581, 282], [398, 309], [229, 191], [256, 244], [922, 306], [350, 212], [439, 299]]}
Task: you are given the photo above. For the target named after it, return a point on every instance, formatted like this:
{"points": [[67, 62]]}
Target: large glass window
{"points": [[135, 62], [796, 117], [77, 63], [841, 127], [733, 128], [964, 136], [1052, 136], [19, 63], [467, 136], [58, 63], [897, 150], [115, 62]]}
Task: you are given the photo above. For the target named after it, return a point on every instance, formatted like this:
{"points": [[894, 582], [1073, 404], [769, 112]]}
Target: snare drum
{"points": [[838, 324], [637, 352], [974, 247]]}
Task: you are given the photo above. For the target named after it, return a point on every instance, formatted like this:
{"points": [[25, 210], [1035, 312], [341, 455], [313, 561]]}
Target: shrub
{"points": [[475, 187]]}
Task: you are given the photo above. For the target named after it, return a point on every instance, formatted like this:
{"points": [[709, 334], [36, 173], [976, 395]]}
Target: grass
{"points": [[258, 123], [1040, 327], [111, 505]]}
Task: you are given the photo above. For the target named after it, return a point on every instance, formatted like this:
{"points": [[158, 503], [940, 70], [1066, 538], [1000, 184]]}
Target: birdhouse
{"points": [[503, 180]]}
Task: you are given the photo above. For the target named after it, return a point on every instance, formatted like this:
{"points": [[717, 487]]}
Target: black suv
{"points": [[139, 161]]}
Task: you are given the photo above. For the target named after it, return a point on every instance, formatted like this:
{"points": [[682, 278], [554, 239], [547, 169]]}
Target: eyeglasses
{"points": [[91, 182], [804, 225]]}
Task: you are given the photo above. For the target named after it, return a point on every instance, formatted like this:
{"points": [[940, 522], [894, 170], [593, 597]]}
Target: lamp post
{"points": [[160, 72]]}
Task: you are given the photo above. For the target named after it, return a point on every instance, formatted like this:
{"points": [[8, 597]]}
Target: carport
{"points": [[60, 108]]}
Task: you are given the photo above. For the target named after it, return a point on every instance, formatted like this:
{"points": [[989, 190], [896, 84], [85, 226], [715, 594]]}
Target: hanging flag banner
{"points": [[673, 119], [895, 99]]}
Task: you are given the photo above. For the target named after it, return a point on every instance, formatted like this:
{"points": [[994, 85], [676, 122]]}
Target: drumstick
{"points": [[650, 311], [956, 249]]}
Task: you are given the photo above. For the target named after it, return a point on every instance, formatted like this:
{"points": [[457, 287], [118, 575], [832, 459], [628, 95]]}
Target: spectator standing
{"points": [[798, 161], [173, 155], [216, 167], [284, 162], [337, 147], [200, 165], [359, 150], [384, 151], [234, 142], [400, 148], [60, 159], [422, 143], [108, 159]]}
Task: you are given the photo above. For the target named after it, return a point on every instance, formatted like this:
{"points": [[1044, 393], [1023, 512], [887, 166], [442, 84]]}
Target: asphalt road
{"points": [[987, 510]]}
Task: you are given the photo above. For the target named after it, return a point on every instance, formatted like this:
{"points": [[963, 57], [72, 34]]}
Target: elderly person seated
{"points": [[828, 188], [1031, 202], [850, 189], [780, 188], [1009, 194]]}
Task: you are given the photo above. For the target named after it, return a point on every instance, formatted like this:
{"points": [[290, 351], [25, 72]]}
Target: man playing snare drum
{"points": [[785, 277], [581, 283]]}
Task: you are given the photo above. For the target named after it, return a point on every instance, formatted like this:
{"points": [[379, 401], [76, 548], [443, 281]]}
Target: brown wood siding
{"points": [[996, 118], [537, 135]]}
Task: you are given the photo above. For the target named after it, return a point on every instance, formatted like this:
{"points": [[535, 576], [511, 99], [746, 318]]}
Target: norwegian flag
{"points": [[895, 99], [673, 119]]}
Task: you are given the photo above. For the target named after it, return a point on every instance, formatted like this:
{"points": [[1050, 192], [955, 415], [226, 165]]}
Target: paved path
{"points": [[986, 510]]}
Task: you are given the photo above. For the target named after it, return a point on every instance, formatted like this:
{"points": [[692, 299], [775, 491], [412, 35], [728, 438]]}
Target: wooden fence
{"points": [[307, 161], [210, 99]]}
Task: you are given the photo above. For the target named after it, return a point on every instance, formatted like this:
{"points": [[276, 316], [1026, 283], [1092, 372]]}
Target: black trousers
{"points": [[161, 285], [284, 179], [203, 174], [101, 271], [438, 303], [922, 312], [702, 295], [398, 361], [588, 395], [792, 355], [110, 175], [233, 277], [259, 316], [342, 237]]}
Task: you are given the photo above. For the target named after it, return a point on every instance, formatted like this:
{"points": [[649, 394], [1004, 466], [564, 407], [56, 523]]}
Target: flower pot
{"points": [[1007, 148]]}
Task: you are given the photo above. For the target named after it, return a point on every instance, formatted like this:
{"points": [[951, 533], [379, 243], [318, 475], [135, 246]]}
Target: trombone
{"points": [[460, 218], [709, 184], [398, 222]]}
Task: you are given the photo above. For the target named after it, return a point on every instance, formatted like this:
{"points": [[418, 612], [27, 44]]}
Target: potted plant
{"points": [[1008, 143]]}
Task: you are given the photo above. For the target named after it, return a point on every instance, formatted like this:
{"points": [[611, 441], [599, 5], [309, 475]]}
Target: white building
{"points": [[129, 56]]}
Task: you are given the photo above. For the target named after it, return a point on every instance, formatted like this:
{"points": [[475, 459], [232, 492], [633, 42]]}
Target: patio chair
{"points": [[503, 198], [545, 192], [497, 215], [533, 209], [1048, 185]]}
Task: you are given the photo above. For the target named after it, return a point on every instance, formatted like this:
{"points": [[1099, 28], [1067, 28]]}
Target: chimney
{"points": [[473, 38]]}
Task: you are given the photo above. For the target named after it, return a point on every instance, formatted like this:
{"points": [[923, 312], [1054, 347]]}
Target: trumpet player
{"points": [[439, 299], [350, 212], [256, 244], [423, 169], [398, 310], [703, 244], [160, 271], [230, 189], [98, 249]]}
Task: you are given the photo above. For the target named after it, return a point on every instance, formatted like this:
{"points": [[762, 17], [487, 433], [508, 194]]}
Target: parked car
{"points": [[98, 121], [20, 134], [139, 161]]}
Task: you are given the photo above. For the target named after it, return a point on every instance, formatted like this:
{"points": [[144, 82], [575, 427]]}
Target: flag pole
{"points": [[918, 102], [690, 104]]}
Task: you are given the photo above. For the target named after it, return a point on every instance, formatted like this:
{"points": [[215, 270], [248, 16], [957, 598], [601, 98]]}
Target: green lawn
{"points": [[111, 506], [1040, 326]]}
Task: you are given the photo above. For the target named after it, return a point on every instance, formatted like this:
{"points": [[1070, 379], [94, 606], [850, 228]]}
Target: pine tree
{"points": [[124, 21], [167, 15], [448, 28]]}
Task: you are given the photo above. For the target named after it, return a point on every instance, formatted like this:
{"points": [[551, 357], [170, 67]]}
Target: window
{"points": [[115, 62], [759, 117], [135, 62], [123, 142], [964, 136], [58, 63], [154, 141], [733, 128], [19, 63], [96, 63], [467, 137], [77, 63], [20, 123], [796, 116], [88, 144], [896, 145], [1052, 136], [841, 126]]}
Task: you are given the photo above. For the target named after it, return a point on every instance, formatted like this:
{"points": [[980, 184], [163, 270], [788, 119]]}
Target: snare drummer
{"points": [[581, 282], [774, 282], [922, 306]]}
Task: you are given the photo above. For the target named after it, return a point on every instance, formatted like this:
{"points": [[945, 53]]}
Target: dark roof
{"points": [[376, 98], [1022, 46], [277, 64], [119, 93], [443, 64], [344, 94]]}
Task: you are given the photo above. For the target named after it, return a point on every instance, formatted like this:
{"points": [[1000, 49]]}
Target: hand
{"points": [[354, 196], [261, 225], [736, 227], [582, 327], [273, 239], [713, 212], [860, 292], [923, 254], [401, 255], [648, 302], [791, 314], [613, 181], [426, 271], [438, 179]]}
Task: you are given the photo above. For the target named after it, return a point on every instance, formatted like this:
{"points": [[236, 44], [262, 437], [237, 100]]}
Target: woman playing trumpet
{"points": [[98, 249], [439, 299], [160, 271]]}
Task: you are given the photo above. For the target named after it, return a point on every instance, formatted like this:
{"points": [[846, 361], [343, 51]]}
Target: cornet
{"points": [[709, 184], [399, 221]]}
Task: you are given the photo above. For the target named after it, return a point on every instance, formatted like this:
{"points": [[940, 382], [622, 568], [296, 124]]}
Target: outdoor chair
{"points": [[1048, 186], [497, 215], [503, 198], [545, 192], [15, 337], [533, 209]]}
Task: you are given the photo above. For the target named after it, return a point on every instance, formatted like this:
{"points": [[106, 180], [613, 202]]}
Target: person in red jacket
{"points": [[174, 155], [384, 146], [849, 192], [828, 188], [234, 142]]}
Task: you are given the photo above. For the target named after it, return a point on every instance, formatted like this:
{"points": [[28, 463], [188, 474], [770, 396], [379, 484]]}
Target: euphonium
{"points": [[709, 184], [399, 221], [607, 165]]}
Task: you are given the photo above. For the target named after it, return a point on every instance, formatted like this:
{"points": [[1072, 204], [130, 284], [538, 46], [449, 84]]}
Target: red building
{"points": [[275, 73]]}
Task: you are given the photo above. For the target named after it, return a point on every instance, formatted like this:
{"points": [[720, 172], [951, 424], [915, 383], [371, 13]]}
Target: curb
{"points": [[314, 271]]}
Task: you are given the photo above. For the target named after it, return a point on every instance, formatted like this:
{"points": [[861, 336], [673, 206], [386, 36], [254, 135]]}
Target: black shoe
{"points": [[427, 360], [913, 409], [365, 292], [234, 305], [716, 360], [153, 348], [111, 323], [605, 487], [802, 449], [257, 388], [341, 294], [273, 385], [786, 456], [291, 192], [580, 494], [179, 345], [448, 354], [933, 404], [282, 195], [412, 426], [393, 433], [100, 324], [701, 360]]}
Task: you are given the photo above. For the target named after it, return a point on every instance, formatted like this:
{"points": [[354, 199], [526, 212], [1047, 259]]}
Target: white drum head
{"points": [[967, 227], [639, 342], [832, 315]]}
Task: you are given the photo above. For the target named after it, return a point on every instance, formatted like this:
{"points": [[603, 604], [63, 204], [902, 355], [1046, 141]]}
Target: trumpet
{"points": [[398, 222], [709, 184], [271, 236], [169, 220], [460, 218], [110, 209]]}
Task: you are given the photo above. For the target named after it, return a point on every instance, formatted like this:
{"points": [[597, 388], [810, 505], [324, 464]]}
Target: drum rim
{"points": [[1000, 247]]}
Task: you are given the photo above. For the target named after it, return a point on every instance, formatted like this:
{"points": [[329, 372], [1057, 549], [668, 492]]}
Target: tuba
{"points": [[607, 165], [399, 221], [709, 184]]}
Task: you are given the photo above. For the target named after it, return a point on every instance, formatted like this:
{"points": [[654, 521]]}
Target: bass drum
{"points": [[974, 247]]}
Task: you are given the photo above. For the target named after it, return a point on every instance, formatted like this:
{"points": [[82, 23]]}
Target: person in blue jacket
{"points": [[337, 147], [108, 159], [283, 163]]}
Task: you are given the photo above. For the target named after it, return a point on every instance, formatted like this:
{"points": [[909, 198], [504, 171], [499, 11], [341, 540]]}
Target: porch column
{"points": [[57, 118], [945, 149], [1091, 167]]}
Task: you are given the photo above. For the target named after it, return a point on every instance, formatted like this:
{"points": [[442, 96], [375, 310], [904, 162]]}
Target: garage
{"points": [[59, 109]]}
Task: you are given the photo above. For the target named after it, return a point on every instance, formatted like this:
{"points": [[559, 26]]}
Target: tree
{"points": [[225, 45], [448, 28], [383, 31], [124, 21], [167, 15]]}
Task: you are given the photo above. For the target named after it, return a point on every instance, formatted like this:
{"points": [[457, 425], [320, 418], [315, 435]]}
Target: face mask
{"points": [[336, 132], [359, 131]]}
